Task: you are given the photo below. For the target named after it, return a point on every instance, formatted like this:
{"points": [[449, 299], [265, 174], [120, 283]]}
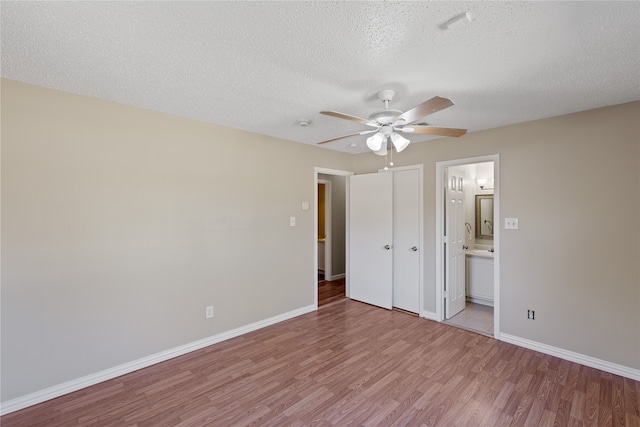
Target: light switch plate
{"points": [[292, 221], [305, 206], [511, 223]]}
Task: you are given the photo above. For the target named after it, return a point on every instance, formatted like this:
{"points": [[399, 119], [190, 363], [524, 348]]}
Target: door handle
{"points": [[387, 247], [414, 249]]}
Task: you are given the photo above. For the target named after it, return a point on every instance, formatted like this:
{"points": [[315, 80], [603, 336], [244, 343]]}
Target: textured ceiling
{"points": [[260, 66]]}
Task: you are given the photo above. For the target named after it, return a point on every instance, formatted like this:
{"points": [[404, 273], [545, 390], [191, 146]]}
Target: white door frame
{"points": [[328, 274], [440, 167], [316, 172]]}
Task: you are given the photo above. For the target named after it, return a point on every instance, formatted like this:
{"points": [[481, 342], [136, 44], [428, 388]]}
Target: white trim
{"points": [[335, 277], [481, 301], [332, 171], [571, 356], [107, 374], [347, 240], [429, 315], [496, 245], [440, 182]]}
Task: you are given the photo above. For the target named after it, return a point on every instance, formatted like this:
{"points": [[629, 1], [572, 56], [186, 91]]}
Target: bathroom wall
{"points": [[482, 170], [473, 171]]}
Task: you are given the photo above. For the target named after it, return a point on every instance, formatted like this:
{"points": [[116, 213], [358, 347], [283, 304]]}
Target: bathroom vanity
{"points": [[479, 272]]}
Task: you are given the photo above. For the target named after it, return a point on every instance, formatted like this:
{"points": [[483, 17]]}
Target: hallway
{"points": [[330, 291]]}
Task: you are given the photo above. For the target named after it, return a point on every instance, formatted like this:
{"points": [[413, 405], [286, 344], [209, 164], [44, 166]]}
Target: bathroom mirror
{"points": [[484, 216]]}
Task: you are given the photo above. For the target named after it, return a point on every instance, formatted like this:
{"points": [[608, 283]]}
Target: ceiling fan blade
{"points": [[350, 117], [431, 130], [428, 107], [364, 132]]}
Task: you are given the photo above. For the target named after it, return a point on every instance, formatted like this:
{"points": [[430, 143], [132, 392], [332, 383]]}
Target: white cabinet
{"points": [[479, 280]]}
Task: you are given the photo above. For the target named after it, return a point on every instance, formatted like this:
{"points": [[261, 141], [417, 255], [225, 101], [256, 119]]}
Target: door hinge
{"points": [[445, 239], [446, 294]]}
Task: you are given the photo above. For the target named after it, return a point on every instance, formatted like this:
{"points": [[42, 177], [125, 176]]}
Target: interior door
{"points": [[406, 235], [370, 238], [455, 257]]}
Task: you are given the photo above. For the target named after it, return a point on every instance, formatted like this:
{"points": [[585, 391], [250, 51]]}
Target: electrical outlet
{"points": [[511, 223], [209, 312], [531, 314]]}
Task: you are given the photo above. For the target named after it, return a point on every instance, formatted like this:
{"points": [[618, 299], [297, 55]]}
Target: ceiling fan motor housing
{"points": [[384, 117]]}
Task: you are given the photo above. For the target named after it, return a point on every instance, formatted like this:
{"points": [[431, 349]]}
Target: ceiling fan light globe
{"points": [[375, 142], [382, 151], [399, 142]]}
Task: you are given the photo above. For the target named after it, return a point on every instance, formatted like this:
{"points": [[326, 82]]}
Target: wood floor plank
{"points": [[330, 291], [351, 364], [619, 417]]}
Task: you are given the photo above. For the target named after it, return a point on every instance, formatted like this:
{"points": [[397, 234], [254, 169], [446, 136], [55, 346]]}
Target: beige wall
{"points": [[119, 225], [573, 182]]}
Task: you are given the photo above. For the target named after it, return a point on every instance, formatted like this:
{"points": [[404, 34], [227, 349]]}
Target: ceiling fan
{"points": [[388, 123]]}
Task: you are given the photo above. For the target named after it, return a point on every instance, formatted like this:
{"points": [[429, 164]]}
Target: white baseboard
{"points": [[335, 277], [98, 377], [107, 374], [481, 301], [429, 315], [571, 356]]}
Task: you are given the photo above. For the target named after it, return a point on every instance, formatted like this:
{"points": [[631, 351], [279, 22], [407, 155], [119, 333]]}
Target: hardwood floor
{"points": [[330, 291], [351, 364]]}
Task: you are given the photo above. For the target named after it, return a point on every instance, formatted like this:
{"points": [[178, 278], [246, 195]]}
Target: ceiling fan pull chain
{"points": [[386, 155]]}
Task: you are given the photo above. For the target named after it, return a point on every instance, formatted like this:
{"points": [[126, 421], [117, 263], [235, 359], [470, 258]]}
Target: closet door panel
{"points": [[371, 239], [406, 240]]}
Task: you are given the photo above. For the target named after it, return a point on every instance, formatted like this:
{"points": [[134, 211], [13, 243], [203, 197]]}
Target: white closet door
{"points": [[455, 256], [370, 238], [406, 234]]}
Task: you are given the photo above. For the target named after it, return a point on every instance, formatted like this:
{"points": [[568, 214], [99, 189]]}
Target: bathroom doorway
{"points": [[467, 252]]}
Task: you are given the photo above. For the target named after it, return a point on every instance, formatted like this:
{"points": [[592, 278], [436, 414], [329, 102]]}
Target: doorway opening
{"points": [[330, 235], [467, 244], [324, 228]]}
